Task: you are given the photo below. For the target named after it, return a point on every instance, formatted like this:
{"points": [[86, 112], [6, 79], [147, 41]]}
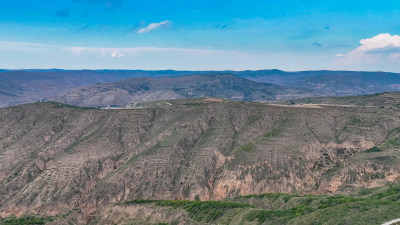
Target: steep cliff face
{"points": [[54, 158]]}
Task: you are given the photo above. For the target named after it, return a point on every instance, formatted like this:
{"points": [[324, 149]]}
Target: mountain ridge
{"points": [[32, 85], [134, 90], [55, 158]]}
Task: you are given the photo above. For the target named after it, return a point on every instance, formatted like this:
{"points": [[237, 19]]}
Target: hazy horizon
{"points": [[155, 70]]}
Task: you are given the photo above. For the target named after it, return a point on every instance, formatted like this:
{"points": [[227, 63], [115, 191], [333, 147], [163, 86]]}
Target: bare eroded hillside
{"points": [[55, 158]]}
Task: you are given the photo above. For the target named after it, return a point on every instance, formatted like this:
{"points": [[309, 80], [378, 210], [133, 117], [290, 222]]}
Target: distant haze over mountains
{"points": [[18, 87], [330, 83], [134, 90]]}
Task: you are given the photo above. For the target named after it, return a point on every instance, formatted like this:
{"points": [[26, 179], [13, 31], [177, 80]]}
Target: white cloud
{"points": [[25, 46], [121, 52], [375, 50], [379, 42], [154, 26], [117, 55]]}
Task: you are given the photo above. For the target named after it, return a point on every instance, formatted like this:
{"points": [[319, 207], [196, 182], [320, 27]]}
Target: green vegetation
{"points": [[26, 220], [244, 148], [252, 119], [195, 103], [325, 209], [248, 147], [23, 220], [272, 196], [392, 143], [33, 219], [280, 216], [360, 122], [380, 100], [373, 149], [202, 211], [369, 206], [59, 105], [272, 133]]}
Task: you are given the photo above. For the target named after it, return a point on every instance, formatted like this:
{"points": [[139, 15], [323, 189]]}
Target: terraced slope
{"points": [[374, 206], [367, 206], [56, 158]]}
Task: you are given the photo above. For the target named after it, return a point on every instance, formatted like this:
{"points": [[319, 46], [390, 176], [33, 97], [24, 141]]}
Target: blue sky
{"points": [[200, 35]]}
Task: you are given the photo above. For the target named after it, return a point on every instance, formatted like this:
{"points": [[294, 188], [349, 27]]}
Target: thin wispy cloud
{"points": [[103, 51], [154, 26], [82, 57], [133, 51]]}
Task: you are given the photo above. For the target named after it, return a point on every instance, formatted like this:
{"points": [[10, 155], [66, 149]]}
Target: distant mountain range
{"points": [[134, 90], [329, 83], [18, 87]]}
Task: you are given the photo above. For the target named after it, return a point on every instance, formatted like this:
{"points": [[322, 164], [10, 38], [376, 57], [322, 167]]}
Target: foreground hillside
{"points": [[368, 206], [77, 162], [136, 90], [374, 206]]}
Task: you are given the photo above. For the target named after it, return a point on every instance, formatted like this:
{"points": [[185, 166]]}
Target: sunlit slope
{"points": [[55, 158]]}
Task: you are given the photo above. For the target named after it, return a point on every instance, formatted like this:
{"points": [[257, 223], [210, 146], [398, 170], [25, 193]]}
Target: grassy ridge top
{"points": [[369, 206]]}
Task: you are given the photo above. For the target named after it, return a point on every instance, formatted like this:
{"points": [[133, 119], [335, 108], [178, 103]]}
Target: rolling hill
{"points": [[26, 86], [389, 99], [329, 83], [194, 86]]}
